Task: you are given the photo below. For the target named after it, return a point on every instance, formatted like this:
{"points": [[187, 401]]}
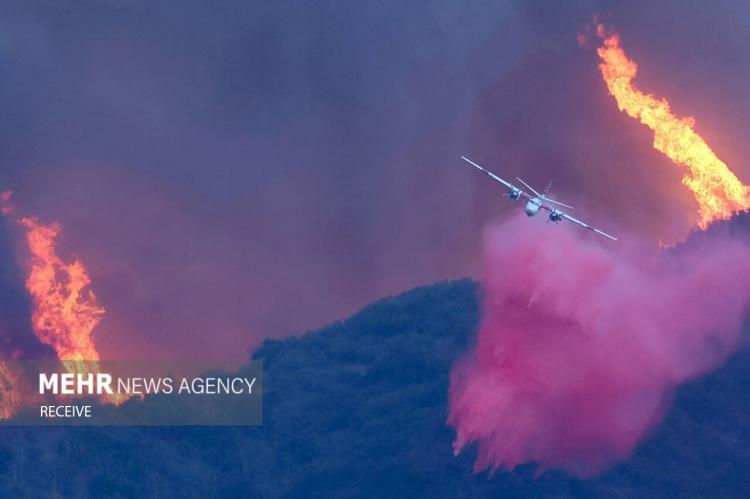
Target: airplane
{"points": [[538, 201]]}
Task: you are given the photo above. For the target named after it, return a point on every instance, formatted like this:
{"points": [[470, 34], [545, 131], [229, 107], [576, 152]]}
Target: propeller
{"points": [[513, 194]]}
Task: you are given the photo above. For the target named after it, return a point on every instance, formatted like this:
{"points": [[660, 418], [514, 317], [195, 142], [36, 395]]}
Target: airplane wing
{"points": [[575, 220], [585, 226], [495, 177]]}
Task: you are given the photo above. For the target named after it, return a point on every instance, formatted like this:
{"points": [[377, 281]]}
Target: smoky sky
{"points": [[230, 171]]}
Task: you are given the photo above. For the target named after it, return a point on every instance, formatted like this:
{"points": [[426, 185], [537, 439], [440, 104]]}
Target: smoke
{"points": [[213, 165], [581, 345]]}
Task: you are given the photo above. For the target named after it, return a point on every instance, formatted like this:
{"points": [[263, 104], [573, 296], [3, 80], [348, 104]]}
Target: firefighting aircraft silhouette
{"points": [[538, 201]]}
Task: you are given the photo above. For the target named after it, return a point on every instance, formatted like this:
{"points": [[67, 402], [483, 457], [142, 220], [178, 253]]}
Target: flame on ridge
{"points": [[718, 192]]}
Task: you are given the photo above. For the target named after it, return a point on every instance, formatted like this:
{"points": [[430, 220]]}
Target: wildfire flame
{"points": [[65, 310], [716, 189]]}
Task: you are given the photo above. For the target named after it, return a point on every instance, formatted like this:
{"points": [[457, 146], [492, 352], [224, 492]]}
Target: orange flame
{"points": [[716, 189], [65, 309]]}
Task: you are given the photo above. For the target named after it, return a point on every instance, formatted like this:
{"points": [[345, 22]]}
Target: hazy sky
{"points": [[230, 171]]}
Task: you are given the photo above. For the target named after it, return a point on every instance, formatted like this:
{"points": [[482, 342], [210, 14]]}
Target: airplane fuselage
{"points": [[539, 201], [532, 207]]}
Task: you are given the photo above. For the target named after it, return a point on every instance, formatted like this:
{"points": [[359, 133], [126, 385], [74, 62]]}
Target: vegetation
{"points": [[358, 409]]}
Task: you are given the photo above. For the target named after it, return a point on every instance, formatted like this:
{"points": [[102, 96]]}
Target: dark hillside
{"points": [[358, 409]]}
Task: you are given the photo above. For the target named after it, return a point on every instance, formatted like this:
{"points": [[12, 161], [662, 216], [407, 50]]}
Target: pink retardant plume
{"points": [[582, 343]]}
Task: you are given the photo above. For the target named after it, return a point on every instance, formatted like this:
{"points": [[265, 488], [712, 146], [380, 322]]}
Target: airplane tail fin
{"points": [[547, 189], [529, 187]]}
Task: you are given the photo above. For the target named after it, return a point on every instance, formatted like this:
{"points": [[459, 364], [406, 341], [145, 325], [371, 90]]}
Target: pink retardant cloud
{"points": [[582, 342]]}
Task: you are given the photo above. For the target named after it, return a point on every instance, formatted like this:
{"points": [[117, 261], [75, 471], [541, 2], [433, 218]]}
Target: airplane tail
{"points": [[544, 196]]}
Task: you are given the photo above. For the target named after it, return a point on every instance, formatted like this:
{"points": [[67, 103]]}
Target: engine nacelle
{"points": [[555, 216], [514, 194]]}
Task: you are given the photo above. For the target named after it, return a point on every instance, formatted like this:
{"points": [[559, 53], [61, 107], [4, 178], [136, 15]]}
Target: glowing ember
{"points": [[10, 391], [716, 189], [5, 206]]}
